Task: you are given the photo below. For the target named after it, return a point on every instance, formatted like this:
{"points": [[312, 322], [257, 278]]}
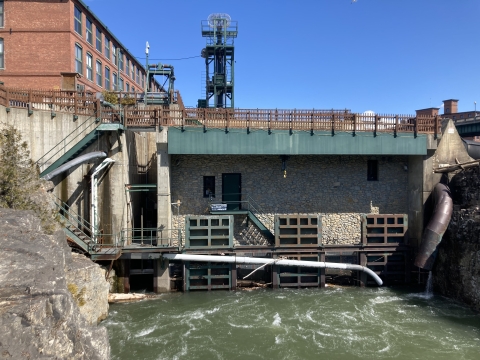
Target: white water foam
{"points": [[277, 320], [146, 331]]}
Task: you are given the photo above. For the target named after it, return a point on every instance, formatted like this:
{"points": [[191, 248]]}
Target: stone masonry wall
{"points": [[334, 186]]}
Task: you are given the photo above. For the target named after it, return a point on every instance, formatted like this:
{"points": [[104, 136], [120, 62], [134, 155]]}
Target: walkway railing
{"points": [[152, 237], [137, 115], [246, 202]]}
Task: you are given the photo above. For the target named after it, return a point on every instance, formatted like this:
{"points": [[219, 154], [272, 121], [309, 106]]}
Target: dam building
{"points": [[313, 185], [177, 198]]}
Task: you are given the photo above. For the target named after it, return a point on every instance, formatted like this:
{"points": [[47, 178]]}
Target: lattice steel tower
{"points": [[220, 31]]}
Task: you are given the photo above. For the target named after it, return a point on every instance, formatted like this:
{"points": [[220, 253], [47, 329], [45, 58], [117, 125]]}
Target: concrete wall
{"points": [[334, 186], [132, 152]]}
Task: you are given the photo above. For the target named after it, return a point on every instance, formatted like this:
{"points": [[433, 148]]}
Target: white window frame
{"points": [[107, 78], [98, 39], [89, 31], [98, 72], [88, 66], [79, 60], [77, 21]]}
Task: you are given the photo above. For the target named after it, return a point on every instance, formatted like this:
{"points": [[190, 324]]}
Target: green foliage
{"points": [[19, 179], [110, 97]]}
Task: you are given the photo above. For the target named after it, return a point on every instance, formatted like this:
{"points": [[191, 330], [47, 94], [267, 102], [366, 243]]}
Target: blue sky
{"points": [[389, 56]]}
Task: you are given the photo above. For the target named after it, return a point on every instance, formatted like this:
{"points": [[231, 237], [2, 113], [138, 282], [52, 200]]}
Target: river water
{"points": [[331, 323]]}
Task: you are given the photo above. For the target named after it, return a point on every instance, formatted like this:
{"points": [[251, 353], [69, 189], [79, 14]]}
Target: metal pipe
{"points": [[77, 161], [94, 205], [443, 208], [280, 262]]}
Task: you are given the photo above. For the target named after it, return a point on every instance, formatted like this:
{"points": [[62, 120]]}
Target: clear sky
{"points": [[389, 56]]}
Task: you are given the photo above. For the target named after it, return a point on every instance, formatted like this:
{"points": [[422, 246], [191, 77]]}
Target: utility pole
{"points": [[146, 70]]}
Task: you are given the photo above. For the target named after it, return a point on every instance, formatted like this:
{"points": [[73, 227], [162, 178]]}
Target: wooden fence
{"points": [[138, 115]]}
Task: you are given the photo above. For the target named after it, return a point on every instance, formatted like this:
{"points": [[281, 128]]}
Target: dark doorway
{"points": [[232, 191]]}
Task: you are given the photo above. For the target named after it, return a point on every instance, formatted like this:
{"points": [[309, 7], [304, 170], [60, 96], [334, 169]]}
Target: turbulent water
{"points": [[332, 323]]}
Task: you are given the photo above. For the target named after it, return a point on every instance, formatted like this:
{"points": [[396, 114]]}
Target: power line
{"points": [[185, 58]]}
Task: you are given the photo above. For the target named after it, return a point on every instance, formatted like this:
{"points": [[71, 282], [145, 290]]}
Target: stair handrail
{"points": [[256, 210], [67, 209], [62, 142], [252, 206], [68, 215]]}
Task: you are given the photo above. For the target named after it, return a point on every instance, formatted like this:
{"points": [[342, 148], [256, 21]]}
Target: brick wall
{"points": [[334, 186], [41, 44]]}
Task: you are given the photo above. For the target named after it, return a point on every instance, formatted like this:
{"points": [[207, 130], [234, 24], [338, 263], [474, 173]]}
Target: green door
{"points": [[232, 191]]}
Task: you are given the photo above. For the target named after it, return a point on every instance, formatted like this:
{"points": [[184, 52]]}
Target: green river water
{"points": [[331, 323]]}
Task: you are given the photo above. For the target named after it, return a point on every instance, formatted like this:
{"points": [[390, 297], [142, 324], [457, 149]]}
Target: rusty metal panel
{"points": [[298, 230]]}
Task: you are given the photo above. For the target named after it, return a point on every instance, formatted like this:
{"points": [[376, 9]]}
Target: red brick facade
{"points": [[39, 40]]}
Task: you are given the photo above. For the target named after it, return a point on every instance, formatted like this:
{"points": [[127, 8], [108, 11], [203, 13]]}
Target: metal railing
{"points": [[246, 202], [154, 237], [67, 143], [136, 115]]}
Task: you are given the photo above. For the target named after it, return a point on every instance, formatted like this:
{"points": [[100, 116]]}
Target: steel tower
{"points": [[220, 31]]}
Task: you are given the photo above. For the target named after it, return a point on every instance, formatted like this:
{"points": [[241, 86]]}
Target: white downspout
{"points": [[281, 262], [94, 202]]}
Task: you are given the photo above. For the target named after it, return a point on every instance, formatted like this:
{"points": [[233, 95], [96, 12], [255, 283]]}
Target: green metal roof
{"points": [[282, 142]]}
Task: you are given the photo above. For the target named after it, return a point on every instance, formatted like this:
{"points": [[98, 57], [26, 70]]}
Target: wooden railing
{"points": [[85, 103]]}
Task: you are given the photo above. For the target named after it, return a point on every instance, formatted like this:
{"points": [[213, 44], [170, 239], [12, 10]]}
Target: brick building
{"points": [[61, 44]]}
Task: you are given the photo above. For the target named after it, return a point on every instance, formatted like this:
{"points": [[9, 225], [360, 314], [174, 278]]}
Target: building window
{"points": [[138, 75], [133, 71], [121, 85], [88, 64], [454, 118], [98, 70], [143, 81], [127, 66], [99, 40], [120, 61], [107, 78], [78, 20], [128, 87], [107, 48], [88, 29], [115, 82], [208, 186], [133, 89], [2, 23], [78, 59], [2, 55], [372, 170], [114, 54], [461, 116]]}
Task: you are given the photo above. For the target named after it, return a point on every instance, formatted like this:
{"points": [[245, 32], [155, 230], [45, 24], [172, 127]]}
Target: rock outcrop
{"points": [[457, 268], [39, 317], [86, 282]]}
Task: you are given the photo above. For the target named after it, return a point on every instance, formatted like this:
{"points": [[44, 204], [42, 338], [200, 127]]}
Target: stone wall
{"points": [[457, 268], [334, 186]]}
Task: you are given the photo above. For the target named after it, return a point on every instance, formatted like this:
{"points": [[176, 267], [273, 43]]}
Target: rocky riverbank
{"points": [[457, 268], [42, 292]]}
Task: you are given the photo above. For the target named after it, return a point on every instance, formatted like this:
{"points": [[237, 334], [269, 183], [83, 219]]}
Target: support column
{"points": [[164, 201], [363, 274], [275, 277], [233, 280], [122, 268], [161, 276], [322, 271]]}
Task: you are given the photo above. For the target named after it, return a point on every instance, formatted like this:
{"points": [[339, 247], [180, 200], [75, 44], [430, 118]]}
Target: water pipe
{"points": [[94, 185], [280, 262], [72, 163], [436, 227]]}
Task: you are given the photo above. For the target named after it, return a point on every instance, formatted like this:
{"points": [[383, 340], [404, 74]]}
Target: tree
{"points": [[20, 185]]}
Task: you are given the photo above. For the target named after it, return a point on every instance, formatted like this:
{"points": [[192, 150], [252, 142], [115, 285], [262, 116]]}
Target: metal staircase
{"points": [[77, 229], [74, 144], [254, 213]]}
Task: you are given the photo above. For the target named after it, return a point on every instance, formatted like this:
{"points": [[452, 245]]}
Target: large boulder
{"points": [[457, 269], [39, 316]]}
